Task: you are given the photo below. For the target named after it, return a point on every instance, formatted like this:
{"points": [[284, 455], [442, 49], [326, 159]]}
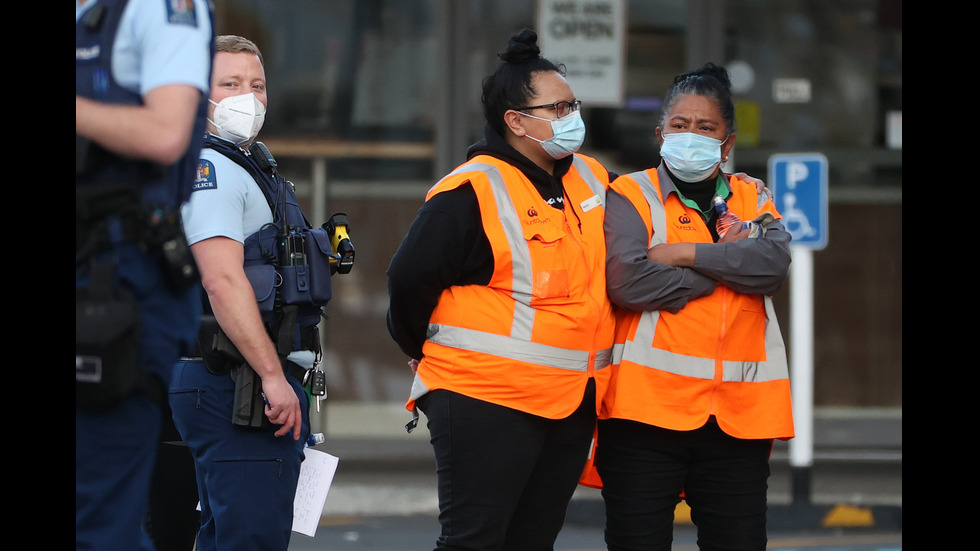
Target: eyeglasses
{"points": [[562, 108]]}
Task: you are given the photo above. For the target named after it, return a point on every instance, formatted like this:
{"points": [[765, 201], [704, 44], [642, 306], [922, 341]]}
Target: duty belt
{"points": [[221, 354], [95, 236], [106, 215], [298, 372]]}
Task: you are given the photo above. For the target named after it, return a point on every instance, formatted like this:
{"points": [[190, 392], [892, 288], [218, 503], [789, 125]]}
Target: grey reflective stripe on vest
{"points": [[503, 346], [517, 346], [585, 171], [640, 352], [657, 214], [418, 388], [522, 274]]}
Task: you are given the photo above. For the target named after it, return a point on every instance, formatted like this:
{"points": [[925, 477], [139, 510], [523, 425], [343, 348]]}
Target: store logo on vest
{"points": [[205, 176], [684, 223], [533, 218]]}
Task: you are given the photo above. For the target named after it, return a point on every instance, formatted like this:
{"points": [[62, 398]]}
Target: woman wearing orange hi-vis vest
{"points": [[498, 296], [700, 384]]}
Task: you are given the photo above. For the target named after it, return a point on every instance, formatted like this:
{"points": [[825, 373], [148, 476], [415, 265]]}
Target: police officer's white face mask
{"points": [[238, 118]]}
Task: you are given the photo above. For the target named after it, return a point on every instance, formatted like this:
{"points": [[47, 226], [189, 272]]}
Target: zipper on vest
{"points": [[593, 353], [568, 205], [719, 360]]}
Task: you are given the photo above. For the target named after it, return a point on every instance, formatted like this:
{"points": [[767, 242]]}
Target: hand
{"points": [[283, 406], [736, 233], [413, 364], [760, 186]]}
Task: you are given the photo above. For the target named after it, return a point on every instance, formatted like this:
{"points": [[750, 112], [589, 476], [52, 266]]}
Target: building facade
{"points": [[371, 101]]}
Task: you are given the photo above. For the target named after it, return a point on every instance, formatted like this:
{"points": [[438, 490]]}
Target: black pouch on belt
{"points": [[107, 329], [217, 351], [248, 409]]}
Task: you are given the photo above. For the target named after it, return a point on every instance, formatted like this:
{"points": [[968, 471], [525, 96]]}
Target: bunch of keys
{"points": [[317, 382]]}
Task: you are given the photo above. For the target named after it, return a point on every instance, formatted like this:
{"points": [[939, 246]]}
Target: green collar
{"points": [[721, 190]]}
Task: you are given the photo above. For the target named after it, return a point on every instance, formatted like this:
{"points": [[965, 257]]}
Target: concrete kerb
{"points": [[781, 517]]}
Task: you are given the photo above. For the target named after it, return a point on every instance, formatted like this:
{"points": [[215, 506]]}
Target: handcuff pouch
{"points": [[107, 332]]}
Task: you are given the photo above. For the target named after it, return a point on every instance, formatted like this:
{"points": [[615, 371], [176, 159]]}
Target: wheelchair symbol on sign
{"points": [[799, 185], [795, 220]]}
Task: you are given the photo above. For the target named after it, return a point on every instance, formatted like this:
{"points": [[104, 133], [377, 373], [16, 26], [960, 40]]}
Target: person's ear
{"points": [[515, 122], [727, 147]]}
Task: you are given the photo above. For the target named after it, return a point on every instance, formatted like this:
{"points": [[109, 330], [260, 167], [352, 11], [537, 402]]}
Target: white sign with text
{"points": [[589, 38]]}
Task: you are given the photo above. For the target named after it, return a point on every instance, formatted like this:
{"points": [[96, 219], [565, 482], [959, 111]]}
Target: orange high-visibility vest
{"points": [[531, 338], [720, 355]]}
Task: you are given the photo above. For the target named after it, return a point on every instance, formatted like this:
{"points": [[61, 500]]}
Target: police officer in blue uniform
{"points": [[241, 406], [141, 82]]}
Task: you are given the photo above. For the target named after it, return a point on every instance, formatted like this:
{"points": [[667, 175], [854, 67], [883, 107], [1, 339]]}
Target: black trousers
{"points": [[505, 477], [172, 518], [645, 468]]}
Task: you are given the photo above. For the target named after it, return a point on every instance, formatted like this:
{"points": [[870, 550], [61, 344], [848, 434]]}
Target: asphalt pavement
{"points": [[383, 495], [418, 533]]}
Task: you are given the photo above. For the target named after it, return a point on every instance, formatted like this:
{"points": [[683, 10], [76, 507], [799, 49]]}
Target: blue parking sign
{"points": [[799, 188]]}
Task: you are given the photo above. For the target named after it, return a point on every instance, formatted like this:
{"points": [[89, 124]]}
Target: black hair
{"points": [[509, 87], [710, 81]]}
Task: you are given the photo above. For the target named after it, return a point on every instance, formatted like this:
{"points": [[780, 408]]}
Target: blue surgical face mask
{"points": [[691, 157], [569, 134]]}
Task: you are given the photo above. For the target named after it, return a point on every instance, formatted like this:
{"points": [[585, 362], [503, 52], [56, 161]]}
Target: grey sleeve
{"points": [[758, 265], [635, 282]]}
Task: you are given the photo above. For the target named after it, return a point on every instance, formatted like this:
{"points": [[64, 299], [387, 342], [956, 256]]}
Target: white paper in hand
{"points": [[315, 477]]}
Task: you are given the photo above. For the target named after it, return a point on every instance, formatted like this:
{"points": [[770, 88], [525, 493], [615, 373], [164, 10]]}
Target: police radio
{"points": [[293, 247], [164, 235], [337, 228], [263, 157]]}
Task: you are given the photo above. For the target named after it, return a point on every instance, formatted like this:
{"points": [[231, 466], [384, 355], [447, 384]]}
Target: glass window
{"points": [[348, 70]]}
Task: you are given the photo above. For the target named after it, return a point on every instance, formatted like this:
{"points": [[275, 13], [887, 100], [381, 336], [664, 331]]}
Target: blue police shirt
{"points": [[227, 202], [147, 55]]}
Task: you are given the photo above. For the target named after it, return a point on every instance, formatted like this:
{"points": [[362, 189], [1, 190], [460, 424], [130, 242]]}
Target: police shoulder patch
{"points": [[181, 12], [205, 176]]}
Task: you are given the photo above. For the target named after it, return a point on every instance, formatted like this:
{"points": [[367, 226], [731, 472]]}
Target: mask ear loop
{"points": [[724, 158], [533, 117], [526, 135]]}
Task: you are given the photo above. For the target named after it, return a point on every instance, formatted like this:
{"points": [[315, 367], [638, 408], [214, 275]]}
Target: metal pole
{"points": [[318, 420], [801, 371], [319, 174], [705, 33]]}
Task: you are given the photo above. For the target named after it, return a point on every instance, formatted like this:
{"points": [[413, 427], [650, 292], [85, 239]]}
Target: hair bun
{"points": [[522, 47], [709, 69]]}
